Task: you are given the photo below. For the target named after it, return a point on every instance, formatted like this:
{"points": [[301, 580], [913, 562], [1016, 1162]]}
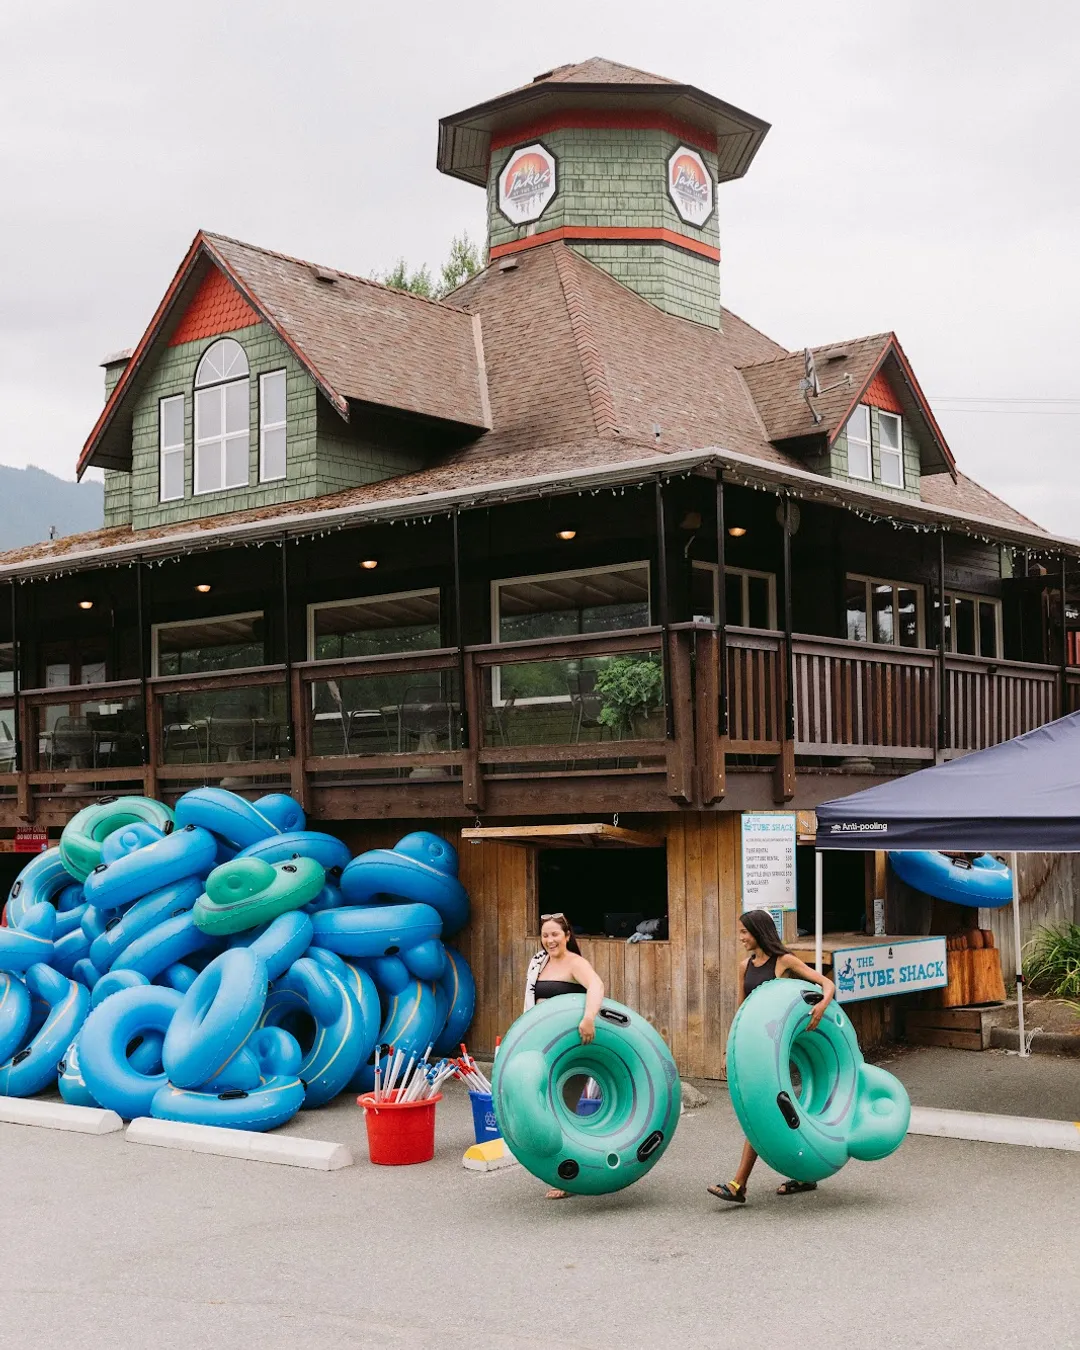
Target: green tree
{"points": [[463, 262]]}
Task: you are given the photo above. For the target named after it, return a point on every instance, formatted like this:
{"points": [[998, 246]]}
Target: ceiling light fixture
{"points": [[736, 531], [86, 604], [369, 563], [203, 588], [566, 535]]}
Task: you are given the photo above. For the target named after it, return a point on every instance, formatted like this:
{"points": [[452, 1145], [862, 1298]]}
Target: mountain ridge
{"points": [[33, 501]]}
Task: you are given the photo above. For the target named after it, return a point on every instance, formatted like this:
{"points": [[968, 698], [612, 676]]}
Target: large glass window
{"points": [[885, 612], [563, 604], [198, 646], [7, 669], [407, 621], [972, 625], [272, 426], [859, 458], [750, 597], [890, 449], [171, 441], [221, 418]]}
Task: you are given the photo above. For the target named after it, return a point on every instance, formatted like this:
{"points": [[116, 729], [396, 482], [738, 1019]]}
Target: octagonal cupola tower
{"points": [[621, 165]]}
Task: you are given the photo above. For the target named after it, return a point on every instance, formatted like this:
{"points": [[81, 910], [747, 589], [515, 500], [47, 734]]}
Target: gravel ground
{"points": [[111, 1245]]}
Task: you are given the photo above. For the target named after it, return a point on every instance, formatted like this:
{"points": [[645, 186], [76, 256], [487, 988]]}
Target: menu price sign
{"points": [[768, 859]]}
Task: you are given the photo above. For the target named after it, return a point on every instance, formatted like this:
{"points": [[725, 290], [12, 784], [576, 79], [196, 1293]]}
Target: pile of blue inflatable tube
{"points": [[220, 963]]}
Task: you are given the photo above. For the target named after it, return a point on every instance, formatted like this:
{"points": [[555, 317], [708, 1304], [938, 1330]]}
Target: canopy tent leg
{"points": [[1018, 957], [819, 908]]}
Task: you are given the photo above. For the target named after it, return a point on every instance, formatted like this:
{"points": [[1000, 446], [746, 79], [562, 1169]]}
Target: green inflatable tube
{"points": [[536, 1104], [843, 1107], [80, 843], [247, 892]]}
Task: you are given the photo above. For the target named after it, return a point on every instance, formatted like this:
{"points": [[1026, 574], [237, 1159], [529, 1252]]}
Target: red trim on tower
{"points": [[611, 233], [216, 307], [604, 119], [879, 394]]}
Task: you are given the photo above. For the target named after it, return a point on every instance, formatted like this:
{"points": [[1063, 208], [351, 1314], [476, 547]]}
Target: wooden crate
{"points": [[954, 1028], [974, 978]]}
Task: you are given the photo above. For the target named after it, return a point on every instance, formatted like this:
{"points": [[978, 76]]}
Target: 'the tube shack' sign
{"points": [[891, 968]]}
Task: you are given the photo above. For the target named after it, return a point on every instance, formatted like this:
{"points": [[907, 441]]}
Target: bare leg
{"points": [[746, 1165], [556, 1194]]}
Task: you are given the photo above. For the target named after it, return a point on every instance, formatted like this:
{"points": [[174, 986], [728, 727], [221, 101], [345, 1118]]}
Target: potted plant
{"points": [[629, 687]]}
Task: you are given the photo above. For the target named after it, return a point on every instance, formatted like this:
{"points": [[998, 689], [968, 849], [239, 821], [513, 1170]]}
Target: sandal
{"points": [[730, 1190], [796, 1187]]}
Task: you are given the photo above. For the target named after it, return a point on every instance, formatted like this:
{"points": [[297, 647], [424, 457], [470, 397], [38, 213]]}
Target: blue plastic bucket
{"points": [[483, 1114], [588, 1106]]}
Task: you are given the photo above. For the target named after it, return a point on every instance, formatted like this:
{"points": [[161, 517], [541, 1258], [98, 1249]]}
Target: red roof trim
{"points": [[609, 232], [200, 246], [604, 119], [892, 346]]}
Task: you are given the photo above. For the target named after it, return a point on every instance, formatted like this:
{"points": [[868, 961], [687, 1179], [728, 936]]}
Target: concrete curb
{"points": [[1042, 1042], [285, 1149], [58, 1116], [990, 1129]]}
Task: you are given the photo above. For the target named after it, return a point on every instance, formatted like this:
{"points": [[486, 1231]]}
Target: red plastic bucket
{"points": [[399, 1132]]}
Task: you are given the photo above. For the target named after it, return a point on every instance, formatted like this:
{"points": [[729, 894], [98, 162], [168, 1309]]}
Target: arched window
{"points": [[222, 407]]}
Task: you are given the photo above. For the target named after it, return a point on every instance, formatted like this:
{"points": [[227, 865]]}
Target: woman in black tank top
{"points": [[768, 959], [559, 968]]}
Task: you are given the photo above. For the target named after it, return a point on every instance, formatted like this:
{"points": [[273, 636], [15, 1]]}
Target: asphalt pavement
{"points": [[111, 1245]]}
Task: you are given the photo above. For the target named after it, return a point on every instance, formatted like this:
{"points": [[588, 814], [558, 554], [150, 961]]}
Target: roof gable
{"points": [[360, 342], [216, 307]]}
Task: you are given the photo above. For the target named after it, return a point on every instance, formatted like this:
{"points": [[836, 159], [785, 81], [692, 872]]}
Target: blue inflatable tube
{"points": [[86, 973], [225, 814], [282, 811], [218, 1013], [383, 930], [410, 1019], [280, 942], [329, 897], [337, 1048], [33, 1067], [108, 1031], [330, 853], [421, 867], [113, 982], [165, 943], [271, 1104], [144, 1056], [70, 908], [364, 991], [178, 976], [983, 883], [126, 840], [41, 881], [143, 915], [188, 852], [14, 1014], [31, 942], [69, 950], [460, 989]]}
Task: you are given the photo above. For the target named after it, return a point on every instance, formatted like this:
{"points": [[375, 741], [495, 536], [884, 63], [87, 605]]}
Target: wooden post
{"points": [[472, 778], [290, 710], [784, 774], [299, 698], [680, 744], [662, 610], [1063, 683], [943, 675], [28, 759], [712, 776]]}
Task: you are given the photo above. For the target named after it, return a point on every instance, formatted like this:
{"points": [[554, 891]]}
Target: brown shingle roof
{"points": [[359, 340], [786, 413]]}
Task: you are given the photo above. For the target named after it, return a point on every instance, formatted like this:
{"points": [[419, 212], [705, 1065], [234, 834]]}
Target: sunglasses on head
{"points": [[544, 917]]}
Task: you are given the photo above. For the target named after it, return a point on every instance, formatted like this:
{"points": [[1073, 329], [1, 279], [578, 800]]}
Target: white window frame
{"points": [[745, 573], [363, 600], [951, 598], [857, 440], [898, 453], [220, 388], [175, 449], [496, 671], [920, 605], [265, 426], [156, 629]]}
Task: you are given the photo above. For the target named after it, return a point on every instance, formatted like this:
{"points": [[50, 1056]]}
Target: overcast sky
{"points": [[921, 175]]}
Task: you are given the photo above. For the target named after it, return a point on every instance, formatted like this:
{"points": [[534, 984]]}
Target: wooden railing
{"points": [[478, 719], [856, 700]]}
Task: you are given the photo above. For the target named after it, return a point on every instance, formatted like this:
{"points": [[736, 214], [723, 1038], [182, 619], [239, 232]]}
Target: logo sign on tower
{"points": [[527, 184], [690, 186]]}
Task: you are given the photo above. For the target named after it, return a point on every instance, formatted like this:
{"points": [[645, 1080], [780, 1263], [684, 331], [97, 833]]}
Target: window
{"points": [[7, 669], [171, 445], [750, 597], [890, 449], [972, 625], [272, 426], [405, 622], [885, 612], [562, 604], [221, 418], [195, 646], [859, 458], [605, 891]]}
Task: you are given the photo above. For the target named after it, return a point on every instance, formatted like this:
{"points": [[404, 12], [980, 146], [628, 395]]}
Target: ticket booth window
{"points": [[604, 892]]}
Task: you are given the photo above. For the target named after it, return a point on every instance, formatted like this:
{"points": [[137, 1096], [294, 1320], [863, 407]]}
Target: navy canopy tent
{"points": [[1022, 796], [1019, 797]]}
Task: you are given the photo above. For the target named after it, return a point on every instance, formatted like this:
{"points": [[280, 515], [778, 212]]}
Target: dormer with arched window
{"points": [[222, 417]]}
